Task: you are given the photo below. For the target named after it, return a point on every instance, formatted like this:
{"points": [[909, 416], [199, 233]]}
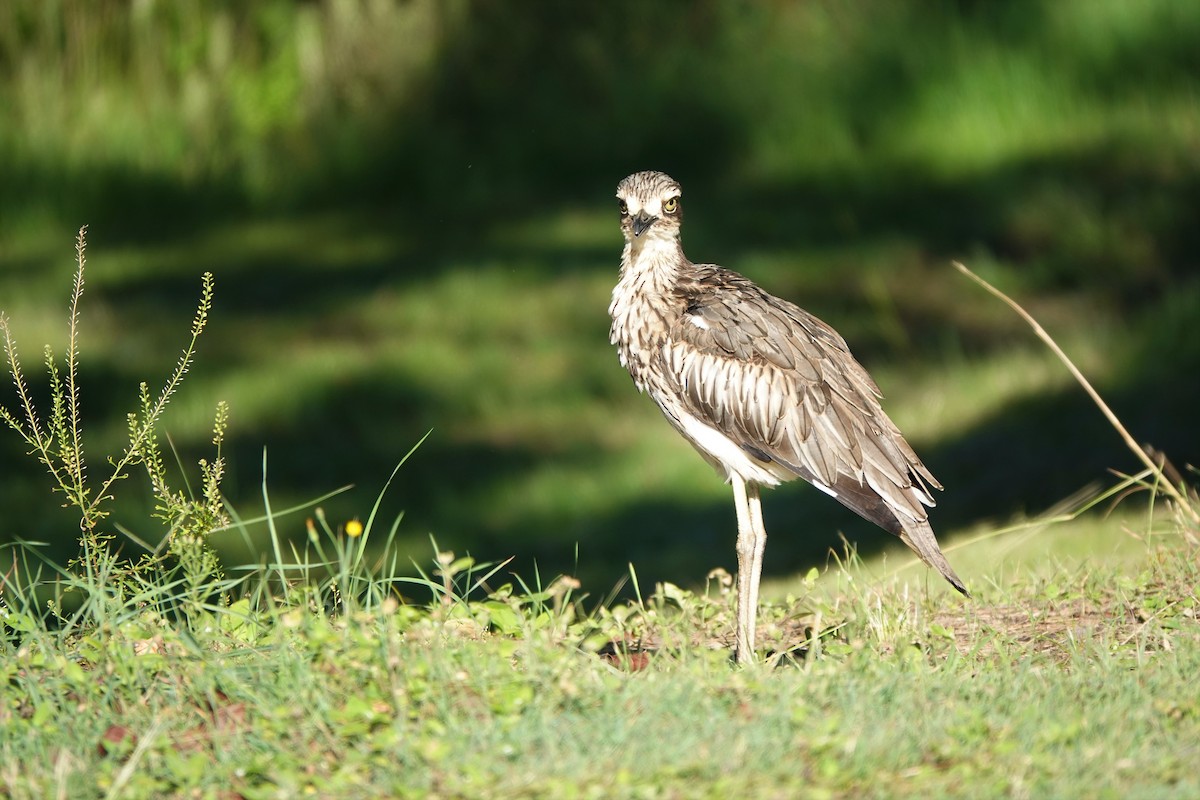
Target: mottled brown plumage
{"points": [[765, 391]]}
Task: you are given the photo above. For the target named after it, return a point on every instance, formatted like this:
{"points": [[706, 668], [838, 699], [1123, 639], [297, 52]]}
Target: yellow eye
{"points": [[624, 208], [671, 206]]}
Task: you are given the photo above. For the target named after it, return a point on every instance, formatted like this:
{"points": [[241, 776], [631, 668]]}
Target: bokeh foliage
{"points": [[406, 208]]}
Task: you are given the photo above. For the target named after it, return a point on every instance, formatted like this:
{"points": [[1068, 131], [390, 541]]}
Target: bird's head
{"points": [[650, 208]]}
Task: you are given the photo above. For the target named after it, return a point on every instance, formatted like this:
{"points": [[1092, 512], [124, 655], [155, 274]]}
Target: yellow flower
{"points": [[354, 529]]}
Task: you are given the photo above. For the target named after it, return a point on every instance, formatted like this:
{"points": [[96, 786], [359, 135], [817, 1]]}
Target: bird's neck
{"points": [[644, 303], [652, 265]]}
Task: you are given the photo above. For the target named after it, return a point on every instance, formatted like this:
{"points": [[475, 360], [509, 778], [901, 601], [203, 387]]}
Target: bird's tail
{"points": [[920, 538]]}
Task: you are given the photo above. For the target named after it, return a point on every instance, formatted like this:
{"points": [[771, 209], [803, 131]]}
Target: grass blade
{"points": [[1130, 442]]}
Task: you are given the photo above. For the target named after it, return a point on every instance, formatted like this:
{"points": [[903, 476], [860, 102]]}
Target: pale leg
{"points": [[760, 545], [747, 579]]}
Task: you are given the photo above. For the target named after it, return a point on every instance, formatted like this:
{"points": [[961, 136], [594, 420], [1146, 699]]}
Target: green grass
{"points": [[308, 672], [539, 444], [1072, 683], [382, 269]]}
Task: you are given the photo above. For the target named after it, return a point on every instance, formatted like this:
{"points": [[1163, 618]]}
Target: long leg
{"points": [[747, 577], [760, 545]]}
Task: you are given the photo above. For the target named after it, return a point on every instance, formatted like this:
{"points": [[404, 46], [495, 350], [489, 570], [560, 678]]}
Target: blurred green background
{"points": [[408, 209]]}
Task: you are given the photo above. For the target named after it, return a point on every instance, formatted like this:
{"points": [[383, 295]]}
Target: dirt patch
{"points": [[1061, 628]]}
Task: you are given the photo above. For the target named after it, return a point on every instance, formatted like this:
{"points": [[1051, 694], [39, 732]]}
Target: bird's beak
{"points": [[641, 222]]}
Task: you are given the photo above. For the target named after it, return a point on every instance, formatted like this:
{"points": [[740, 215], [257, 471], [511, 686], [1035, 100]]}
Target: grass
{"points": [[548, 447], [310, 673], [381, 270], [1073, 684]]}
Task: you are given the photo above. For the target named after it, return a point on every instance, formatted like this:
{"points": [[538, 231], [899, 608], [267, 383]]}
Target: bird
{"points": [[765, 391]]}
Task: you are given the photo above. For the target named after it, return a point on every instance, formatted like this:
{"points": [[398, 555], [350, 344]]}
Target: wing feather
{"points": [[784, 385]]}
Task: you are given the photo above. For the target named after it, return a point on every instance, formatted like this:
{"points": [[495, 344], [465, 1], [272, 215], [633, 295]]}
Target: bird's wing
{"points": [[783, 385]]}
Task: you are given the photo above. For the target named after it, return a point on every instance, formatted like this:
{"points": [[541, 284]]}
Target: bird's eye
{"points": [[624, 208], [671, 206]]}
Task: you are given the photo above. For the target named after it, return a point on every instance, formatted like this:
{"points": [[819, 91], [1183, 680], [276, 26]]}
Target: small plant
{"points": [[57, 442]]}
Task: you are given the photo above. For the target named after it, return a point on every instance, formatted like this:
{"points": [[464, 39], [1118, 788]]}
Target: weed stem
{"points": [[1138, 450]]}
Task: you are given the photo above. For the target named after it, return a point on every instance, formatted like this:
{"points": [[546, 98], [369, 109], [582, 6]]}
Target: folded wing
{"points": [[784, 386]]}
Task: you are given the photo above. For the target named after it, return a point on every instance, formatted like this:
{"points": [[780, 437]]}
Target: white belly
{"points": [[726, 455]]}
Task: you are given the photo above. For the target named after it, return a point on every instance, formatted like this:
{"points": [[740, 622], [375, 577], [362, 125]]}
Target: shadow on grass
{"points": [[1022, 460], [499, 139]]}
